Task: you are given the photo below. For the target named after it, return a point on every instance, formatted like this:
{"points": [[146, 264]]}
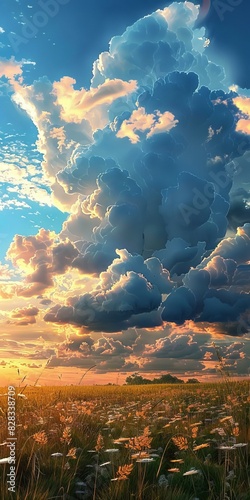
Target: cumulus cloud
{"points": [[187, 350], [140, 121], [40, 258], [156, 180], [243, 105], [157, 45], [175, 346], [129, 287], [236, 248], [145, 161], [24, 316], [10, 68], [77, 105]]}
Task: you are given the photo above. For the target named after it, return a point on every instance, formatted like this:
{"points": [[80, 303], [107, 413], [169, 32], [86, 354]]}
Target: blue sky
{"points": [[125, 187]]}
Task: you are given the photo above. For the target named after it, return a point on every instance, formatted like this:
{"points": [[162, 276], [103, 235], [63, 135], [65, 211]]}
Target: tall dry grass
{"points": [[130, 442]]}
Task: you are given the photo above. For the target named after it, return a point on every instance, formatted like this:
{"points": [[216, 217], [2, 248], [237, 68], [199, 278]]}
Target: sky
{"points": [[125, 190]]}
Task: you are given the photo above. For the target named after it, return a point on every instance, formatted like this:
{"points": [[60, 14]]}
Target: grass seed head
{"points": [[40, 438], [181, 442], [99, 443]]}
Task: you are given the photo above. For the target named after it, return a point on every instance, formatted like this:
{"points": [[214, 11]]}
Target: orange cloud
{"points": [[10, 69], [25, 316], [40, 258], [7, 291], [140, 121], [243, 104], [23, 249], [164, 123], [243, 126]]}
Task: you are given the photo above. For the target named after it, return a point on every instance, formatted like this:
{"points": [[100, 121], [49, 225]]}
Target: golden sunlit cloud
{"points": [[243, 126], [243, 104], [140, 121], [10, 69], [76, 105]]}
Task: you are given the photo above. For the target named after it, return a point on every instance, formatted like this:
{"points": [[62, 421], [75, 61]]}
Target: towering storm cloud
{"points": [[149, 171]]}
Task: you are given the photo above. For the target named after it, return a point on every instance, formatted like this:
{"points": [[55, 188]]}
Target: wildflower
{"points": [[194, 432], [174, 469], [191, 472], [201, 446], [123, 472], [71, 453], [181, 442], [112, 450], [240, 445], [145, 460], [177, 460], [40, 437], [66, 420], [140, 414], [225, 419], [105, 464], [236, 431], [141, 442], [66, 437], [56, 455]]}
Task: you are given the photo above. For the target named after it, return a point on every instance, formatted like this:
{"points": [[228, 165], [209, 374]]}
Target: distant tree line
{"points": [[136, 379]]}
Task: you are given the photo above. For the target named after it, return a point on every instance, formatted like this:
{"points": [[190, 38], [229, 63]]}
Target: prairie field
{"points": [[181, 442]]}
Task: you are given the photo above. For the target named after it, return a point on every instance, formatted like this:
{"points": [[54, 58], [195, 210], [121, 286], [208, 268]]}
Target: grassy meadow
{"points": [[180, 442]]}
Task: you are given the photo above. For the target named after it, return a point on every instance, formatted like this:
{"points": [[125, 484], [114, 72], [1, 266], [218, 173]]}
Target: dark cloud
{"points": [[236, 248], [130, 287], [63, 256], [223, 305], [24, 316], [156, 186], [26, 311], [178, 256]]}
